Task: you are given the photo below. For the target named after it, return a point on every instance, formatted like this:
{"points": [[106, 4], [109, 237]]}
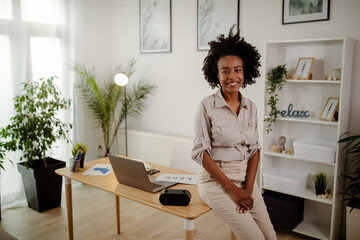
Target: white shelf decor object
{"points": [[322, 217]]}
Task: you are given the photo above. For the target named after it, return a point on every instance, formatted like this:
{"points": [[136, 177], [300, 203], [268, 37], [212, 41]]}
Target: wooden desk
{"points": [[108, 183]]}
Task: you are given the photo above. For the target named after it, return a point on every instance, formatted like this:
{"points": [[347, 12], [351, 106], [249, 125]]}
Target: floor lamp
{"points": [[122, 80]]}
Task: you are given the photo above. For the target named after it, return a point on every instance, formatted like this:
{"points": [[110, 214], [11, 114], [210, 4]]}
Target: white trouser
{"points": [[254, 224]]}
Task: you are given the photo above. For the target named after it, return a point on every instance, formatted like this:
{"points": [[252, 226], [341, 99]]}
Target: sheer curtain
{"points": [[35, 42]]}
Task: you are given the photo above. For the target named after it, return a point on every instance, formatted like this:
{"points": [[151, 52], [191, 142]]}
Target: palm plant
{"points": [[352, 191], [107, 104]]}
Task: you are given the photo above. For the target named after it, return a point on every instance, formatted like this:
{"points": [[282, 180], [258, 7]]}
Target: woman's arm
{"points": [[250, 176], [241, 197], [251, 172]]}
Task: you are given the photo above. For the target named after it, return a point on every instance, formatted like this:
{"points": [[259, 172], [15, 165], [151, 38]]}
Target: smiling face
{"points": [[230, 73]]}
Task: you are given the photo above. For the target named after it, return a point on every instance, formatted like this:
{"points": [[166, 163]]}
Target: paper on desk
{"points": [[179, 178], [139, 160], [99, 170]]}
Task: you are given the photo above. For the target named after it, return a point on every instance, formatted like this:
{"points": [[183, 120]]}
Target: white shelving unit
{"points": [[322, 217]]}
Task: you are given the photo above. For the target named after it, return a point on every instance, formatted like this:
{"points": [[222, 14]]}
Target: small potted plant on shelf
{"points": [[320, 181], [82, 147], [351, 192], [33, 130]]}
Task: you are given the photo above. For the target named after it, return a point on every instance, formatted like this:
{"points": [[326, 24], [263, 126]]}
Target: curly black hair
{"points": [[233, 45]]}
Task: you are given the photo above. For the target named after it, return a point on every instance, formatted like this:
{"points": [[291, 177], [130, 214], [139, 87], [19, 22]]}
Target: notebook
{"points": [[133, 173]]}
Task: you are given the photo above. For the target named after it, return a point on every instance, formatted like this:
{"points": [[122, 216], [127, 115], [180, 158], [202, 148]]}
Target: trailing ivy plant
{"points": [[275, 80], [36, 126]]}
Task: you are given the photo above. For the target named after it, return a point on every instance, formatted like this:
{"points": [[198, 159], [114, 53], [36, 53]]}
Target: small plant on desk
{"points": [[76, 148]]}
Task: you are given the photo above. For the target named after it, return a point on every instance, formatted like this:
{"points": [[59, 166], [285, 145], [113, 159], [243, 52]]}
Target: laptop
{"points": [[133, 173]]}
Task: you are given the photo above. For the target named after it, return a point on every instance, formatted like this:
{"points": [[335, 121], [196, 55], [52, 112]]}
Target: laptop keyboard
{"points": [[154, 185]]}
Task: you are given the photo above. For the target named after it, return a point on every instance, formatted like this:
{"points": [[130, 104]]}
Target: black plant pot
{"points": [[82, 159], [42, 185], [320, 190]]}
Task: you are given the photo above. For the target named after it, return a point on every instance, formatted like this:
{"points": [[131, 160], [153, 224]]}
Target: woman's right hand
{"points": [[242, 198]]}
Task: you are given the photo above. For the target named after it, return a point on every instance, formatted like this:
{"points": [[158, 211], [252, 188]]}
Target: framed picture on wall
{"points": [[303, 68], [155, 26], [215, 17], [330, 108], [305, 11]]}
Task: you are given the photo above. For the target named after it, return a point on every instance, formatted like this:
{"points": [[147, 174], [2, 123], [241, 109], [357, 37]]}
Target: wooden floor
{"points": [[94, 218]]}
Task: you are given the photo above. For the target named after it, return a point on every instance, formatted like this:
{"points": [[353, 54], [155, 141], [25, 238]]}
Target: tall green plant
{"points": [[352, 148], [275, 80], [107, 104], [36, 126]]}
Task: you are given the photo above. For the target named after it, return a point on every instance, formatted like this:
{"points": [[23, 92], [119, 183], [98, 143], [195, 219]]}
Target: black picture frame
{"points": [[297, 12], [155, 26], [215, 17]]}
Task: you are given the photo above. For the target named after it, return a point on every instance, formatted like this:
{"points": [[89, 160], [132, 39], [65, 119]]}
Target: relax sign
{"points": [[291, 113]]}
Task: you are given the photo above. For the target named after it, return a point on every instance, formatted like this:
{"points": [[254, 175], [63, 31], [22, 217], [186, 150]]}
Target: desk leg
{"points": [[233, 237], [68, 193], [117, 204], [189, 229]]}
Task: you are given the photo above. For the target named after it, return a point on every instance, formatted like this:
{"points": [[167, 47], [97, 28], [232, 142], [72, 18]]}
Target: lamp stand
{"points": [[126, 142]]}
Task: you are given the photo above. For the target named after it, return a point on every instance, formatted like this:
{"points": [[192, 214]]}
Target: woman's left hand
{"points": [[241, 209]]}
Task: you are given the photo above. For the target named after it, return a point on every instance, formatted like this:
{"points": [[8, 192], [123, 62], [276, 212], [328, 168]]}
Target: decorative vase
{"points": [[320, 190]]}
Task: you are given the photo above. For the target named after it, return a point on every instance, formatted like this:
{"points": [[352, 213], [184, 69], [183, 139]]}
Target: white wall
{"points": [[178, 74], [93, 49], [108, 34]]}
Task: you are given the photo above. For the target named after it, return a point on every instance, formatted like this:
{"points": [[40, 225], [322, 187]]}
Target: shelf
{"points": [[302, 41], [311, 120], [313, 230], [308, 194], [311, 95], [274, 154], [313, 81]]}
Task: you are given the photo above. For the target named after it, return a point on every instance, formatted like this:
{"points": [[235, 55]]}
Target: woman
{"points": [[226, 139]]}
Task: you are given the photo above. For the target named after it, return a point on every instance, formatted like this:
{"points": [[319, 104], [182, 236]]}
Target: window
{"points": [[41, 11], [35, 32], [5, 9], [6, 89], [32, 45], [45, 57]]}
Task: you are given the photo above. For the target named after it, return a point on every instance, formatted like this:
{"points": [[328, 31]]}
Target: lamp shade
{"points": [[121, 79]]}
